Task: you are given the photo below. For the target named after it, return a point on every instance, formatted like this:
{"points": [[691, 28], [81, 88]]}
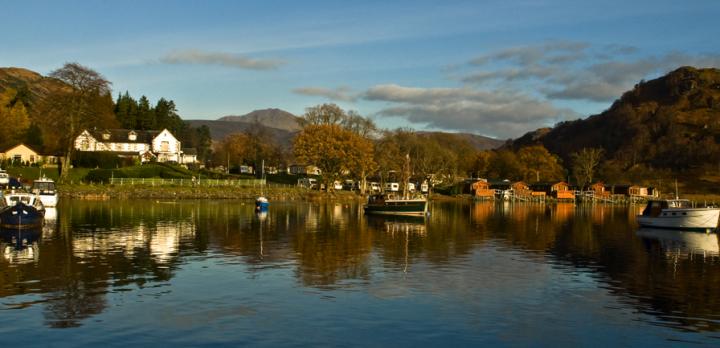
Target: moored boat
{"points": [[388, 205], [4, 178], [47, 191], [262, 204], [21, 210], [678, 214]]}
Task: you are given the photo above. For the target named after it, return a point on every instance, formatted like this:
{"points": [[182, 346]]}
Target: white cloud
{"points": [[498, 113], [221, 59], [340, 93], [575, 70]]}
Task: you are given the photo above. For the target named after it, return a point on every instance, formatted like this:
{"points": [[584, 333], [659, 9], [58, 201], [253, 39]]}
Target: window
{"points": [[17, 158], [165, 146]]}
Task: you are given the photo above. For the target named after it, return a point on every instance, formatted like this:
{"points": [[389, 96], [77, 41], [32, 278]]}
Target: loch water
{"points": [[215, 273]]}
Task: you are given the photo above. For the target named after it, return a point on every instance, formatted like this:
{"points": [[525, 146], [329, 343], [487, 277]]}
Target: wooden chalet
{"points": [[559, 190], [521, 189], [481, 190], [630, 190], [598, 190]]}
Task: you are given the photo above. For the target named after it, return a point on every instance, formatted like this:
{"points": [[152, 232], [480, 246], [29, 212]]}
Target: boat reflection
{"points": [[683, 242], [398, 224], [20, 246]]}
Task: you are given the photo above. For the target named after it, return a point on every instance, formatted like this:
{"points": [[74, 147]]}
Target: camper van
{"points": [[392, 187], [308, 183]]}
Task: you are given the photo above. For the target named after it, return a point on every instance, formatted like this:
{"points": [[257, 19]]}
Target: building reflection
{"points": [[91, 250]]}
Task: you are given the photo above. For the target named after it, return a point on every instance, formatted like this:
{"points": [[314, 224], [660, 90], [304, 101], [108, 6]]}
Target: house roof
{"points": [[18, 145], [121, 135], [190, 151]]}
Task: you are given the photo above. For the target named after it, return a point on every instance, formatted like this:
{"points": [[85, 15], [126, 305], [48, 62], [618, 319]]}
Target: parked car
{"points": [[349, 185]]}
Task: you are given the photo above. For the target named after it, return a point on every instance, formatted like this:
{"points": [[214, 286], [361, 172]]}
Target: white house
{"points": [[161, 145], [21, 153]]}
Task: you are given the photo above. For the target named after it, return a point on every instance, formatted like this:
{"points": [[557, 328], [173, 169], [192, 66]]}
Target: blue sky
{"points": [[495, 68]]}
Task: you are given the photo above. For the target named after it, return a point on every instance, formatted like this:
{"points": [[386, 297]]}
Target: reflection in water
{"points": [[20, 246], [681, 242], [483, 260]]}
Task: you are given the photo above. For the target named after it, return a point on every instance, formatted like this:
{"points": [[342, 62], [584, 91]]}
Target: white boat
{"points": [[47, 191], [678, 214], [4, 178]]}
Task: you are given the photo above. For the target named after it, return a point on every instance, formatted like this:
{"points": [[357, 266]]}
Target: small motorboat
{"points": [[46, 189], [4, 178], [262, 204], [21, 210], [678, 214], [388, 205]]}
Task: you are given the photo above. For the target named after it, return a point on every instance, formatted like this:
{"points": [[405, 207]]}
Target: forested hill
{"points": [[672, 122], [31, 86]]}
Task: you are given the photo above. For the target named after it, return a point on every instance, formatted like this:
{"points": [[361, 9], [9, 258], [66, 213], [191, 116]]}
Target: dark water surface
{"points": [[214, 273]]}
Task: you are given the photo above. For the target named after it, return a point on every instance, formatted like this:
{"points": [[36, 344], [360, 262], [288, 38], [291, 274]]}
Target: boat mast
{"points": [[406, 175], [676, 190]]}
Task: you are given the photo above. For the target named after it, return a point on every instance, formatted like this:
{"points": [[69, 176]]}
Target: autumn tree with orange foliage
{"points": [[336, 142]]}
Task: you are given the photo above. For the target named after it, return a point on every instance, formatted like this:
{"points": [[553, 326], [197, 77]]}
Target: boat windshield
{"points": [[679, 203], [22, 198], [43, 186]]}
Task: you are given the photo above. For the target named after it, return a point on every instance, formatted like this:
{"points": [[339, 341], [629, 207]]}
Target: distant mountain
{"points": [[274, 118], [671, 122], [479, 142], [219, 130]]}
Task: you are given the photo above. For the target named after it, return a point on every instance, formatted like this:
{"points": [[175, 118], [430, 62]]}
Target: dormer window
{"points": [[132, 136], [106, 136]]}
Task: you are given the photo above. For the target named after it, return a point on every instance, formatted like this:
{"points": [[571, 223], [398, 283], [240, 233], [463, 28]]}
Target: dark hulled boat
{"points": [[21, 210], [385, 204]]}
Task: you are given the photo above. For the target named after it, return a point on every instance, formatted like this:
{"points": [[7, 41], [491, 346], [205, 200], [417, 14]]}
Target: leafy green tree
{"points": [[146, 115], [13, 117], [539, 163], [504, 164], [126, 111]]}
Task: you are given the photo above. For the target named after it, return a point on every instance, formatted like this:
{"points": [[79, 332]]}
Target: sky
{"points": [[493, 68]]}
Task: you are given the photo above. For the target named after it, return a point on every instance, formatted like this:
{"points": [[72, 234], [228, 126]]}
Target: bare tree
{"points": [[85, 101], [585, 163]]}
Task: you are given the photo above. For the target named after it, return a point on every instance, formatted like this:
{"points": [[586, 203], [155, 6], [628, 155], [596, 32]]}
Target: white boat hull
{"points": [[694, 218], [49, 200]]}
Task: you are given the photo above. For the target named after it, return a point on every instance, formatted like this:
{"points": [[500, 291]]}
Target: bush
{"points": [[102, 176], [105, 160]]}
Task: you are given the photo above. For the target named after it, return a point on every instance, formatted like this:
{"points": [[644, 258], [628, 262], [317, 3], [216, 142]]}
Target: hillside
{"points": [[478, 142], [30, 84], [274, 118], [672, 122], [219, 130]]}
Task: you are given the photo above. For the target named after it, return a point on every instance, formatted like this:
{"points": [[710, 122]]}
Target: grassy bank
{"points": [[105, 192]]}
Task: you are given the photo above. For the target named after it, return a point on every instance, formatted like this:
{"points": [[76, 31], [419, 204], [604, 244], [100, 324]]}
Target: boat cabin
{"points": [[655, 207]]}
